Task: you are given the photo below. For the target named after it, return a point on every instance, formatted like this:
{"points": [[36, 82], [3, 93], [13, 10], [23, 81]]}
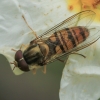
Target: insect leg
{"points": [[79, 54], [63, 61], [60, 60], [44, 69], [13, 68], [34, 71], [14, 64], [30, 27]]}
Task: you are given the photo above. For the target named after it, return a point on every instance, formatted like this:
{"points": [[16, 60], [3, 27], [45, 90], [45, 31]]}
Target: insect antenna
{"points": [[30, 27]]}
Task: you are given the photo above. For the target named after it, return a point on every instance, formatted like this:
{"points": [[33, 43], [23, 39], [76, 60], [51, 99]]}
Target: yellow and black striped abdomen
{"points": [[66, 39], [71, 37]]}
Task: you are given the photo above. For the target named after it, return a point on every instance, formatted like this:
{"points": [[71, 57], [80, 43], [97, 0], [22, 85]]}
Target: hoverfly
{"points": [[61, 40]]}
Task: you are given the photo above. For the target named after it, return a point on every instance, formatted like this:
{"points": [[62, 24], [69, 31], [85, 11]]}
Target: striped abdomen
{"points": [[66, 39]]}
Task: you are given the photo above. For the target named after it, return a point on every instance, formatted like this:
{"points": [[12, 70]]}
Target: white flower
{"points": [[81, 76]]}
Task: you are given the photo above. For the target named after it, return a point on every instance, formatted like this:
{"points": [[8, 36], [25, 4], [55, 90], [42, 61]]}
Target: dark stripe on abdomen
{"points": [[63, 40], [75, 36], [58, 42], [82, 33], [70, 36]]}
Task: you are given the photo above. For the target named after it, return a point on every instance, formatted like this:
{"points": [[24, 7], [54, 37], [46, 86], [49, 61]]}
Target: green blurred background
{"points": [[28, 86]]}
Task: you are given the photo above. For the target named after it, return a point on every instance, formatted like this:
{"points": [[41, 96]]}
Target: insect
{"points": [[61, 40]]}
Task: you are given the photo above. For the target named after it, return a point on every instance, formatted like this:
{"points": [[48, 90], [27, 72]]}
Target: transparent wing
{"points": [[83, 18], [78, 19], [93, 37]]}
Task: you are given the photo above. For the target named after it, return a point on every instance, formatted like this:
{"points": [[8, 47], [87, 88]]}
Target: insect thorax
{"points": [[33, 55]]}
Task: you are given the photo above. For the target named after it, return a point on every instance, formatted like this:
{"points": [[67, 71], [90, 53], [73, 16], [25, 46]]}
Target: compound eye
{"points": [[18, 55], [23, 65]]}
